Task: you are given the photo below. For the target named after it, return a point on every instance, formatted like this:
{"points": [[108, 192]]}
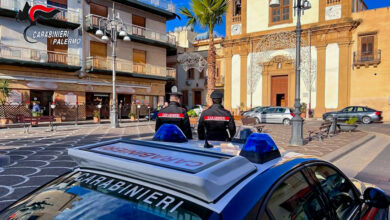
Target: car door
{"points": [[266, 116], [278, 116], [346, 113], [294, 197], [338, 190], [360, 112]]}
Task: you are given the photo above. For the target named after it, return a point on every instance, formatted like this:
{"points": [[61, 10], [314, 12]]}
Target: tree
{"points": [[208, 14]]}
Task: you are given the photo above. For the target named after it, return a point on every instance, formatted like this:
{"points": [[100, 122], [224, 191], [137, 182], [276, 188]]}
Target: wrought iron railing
{"points": [[65, 14], [92, 22], [39, 56], [105, 63], [373, 58]]}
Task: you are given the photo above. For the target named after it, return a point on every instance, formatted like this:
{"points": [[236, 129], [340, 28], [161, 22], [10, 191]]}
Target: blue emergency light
{"points": [[260, 148], [170, 133]]}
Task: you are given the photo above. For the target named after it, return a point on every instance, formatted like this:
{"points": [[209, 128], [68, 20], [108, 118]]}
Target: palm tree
{"points": [[208, 14]]}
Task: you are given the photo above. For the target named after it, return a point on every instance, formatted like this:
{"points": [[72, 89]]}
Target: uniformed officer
{"points": [[216, 121], [174, 114]]}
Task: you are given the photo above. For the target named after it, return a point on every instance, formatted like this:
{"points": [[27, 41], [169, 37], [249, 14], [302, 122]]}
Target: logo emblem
{"points": [[34, 14]]}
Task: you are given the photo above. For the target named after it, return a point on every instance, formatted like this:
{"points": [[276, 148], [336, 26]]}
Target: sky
{"points": [[221, 28]]}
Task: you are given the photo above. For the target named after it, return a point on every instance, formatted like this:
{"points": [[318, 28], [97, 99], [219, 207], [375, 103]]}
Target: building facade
{"points": [[259, 52], [192, 82], [61, 59]]}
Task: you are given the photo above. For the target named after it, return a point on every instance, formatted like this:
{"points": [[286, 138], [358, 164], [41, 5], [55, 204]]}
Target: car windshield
{"points": [[86, 195]]}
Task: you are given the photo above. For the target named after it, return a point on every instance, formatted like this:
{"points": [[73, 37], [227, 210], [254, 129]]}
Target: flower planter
{"points": [[132, 118], [346, 127], [237, 117], [193, 120], [3, 122], [95, 120]]}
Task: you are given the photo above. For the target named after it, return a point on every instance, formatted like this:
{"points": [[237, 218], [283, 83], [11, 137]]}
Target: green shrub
{"points": [[192, 113], [131, 115], [351, 121], [96, 113]]}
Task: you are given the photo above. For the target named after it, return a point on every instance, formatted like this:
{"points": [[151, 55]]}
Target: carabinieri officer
{"points": [[216, 121], [174, 114]]}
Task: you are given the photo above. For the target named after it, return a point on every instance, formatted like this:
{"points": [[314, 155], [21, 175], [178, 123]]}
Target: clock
{"points": [[333, 12], [236, 29]]}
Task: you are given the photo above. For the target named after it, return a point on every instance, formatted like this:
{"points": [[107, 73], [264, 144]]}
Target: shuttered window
{"points": [[367, 45], [139, 61], [98, 9], [98, 49], [139, 21], [282, 13]]}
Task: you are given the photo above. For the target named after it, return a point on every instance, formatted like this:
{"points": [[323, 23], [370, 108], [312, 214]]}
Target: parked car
{"points": [[244, 113], [362, 113], [199, 109], [275, 115], [254, 111]]}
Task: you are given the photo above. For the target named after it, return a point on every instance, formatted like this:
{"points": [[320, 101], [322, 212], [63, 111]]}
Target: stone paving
{"points": [[41, 155]]}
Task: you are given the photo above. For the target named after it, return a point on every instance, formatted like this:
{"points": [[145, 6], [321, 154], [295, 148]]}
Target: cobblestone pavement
{"points": [[41, 155]]}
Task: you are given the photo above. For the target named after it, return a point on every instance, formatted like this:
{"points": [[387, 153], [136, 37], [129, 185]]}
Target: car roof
{"points": [[214, 185]]}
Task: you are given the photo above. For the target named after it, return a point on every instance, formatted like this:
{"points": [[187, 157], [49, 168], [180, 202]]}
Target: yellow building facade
{"points": [[339, 56]]}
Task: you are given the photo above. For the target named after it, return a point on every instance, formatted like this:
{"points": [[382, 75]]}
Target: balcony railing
{"points": [[165, 5], [38, 56], [366, 59], [67, 15], [237, 19], [127, 66], [92, 21], [333, 2]]}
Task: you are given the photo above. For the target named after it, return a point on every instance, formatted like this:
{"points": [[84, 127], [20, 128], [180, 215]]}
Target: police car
{"points": [[128, 179]]}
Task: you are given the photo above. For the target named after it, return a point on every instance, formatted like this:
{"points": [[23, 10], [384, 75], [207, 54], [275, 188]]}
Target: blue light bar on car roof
{"points": [[170, 133], [260, 148]]}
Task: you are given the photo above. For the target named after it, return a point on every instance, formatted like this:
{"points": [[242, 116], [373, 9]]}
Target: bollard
{"points": [[333, 127]]}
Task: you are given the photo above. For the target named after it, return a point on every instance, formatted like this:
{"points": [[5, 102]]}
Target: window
{"points": [[360, 109], [98, 49], [139, 61], [57, 52], [270, 110], [99, 10], [190, 73], [280, 110], [201, 74], [185, 97], [295, 199], [281, 14], [367, 47], [237, 8], [348, 109], [339, 191]]}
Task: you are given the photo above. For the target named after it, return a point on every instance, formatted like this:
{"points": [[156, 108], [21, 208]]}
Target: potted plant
{"points": [[349, 125], [96, 118], [132, 116], [193, 117], [303, 110], [4, 94]]}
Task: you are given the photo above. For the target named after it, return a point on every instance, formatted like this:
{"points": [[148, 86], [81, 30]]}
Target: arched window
{"points": [[237, 8], [281, 14]]}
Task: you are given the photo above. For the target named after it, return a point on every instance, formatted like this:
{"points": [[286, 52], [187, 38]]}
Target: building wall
{"points": [[370, 85]]}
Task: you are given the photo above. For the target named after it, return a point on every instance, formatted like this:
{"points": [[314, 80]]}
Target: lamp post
{"points": [[297, 122], [113, 26]]}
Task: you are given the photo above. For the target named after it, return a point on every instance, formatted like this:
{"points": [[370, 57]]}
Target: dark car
{"points": [[362, 113], [127, 179]]}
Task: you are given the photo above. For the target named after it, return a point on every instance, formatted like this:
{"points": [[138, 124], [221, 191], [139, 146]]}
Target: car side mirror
{"points": [[376, 198]]}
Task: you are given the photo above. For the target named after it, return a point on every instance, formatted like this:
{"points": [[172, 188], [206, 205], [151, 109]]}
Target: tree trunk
{"points": [[211, 60]]}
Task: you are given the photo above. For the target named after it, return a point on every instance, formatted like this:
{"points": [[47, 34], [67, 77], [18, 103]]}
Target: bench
{"points": [[252, 122], [34, 121], [322, 131]]}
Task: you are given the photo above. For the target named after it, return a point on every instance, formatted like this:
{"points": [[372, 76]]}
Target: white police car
{"points": [[127, 179]]}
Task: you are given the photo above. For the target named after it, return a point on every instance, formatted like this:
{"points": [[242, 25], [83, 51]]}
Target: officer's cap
{"points": [[175, 92], [216, 95]]}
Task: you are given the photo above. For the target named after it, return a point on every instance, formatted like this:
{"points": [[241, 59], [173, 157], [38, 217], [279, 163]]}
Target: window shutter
{"points": [[98, 9]]}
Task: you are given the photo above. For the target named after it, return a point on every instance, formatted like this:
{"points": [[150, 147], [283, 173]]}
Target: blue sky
{"points": [[221, 28]]}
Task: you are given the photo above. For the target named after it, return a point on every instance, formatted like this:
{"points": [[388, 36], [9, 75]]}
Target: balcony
{"points": [[160, 7], [137, 33], [128, 68], [66, 18], [29, 57], [367, 59]]}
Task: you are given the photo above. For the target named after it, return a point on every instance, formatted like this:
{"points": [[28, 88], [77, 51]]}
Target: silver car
{"points": [[256, 112], [276, 115]]}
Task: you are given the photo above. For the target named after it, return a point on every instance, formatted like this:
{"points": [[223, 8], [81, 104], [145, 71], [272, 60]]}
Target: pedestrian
{"points": [[36, 107], [174, 114], [216, 121]]}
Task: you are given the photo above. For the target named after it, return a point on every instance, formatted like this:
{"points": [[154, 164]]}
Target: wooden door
{"points": [[197, 97], [139, 25], [99, 53], [279, 91]]}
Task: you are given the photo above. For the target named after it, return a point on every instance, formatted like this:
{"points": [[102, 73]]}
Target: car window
{"points": [[339, 191], [360, 109], [348, 109], [87, 195], [280, 110], [295, 199], [270, 110]]}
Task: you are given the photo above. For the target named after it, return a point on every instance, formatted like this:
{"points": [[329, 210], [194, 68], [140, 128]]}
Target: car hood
{"points": [[329, 113]]}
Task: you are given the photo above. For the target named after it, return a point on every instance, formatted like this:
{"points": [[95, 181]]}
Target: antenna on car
{"points": [[206, 142]]}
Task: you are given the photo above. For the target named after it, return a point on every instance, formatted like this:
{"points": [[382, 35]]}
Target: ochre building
{"points": [[344, 50]]}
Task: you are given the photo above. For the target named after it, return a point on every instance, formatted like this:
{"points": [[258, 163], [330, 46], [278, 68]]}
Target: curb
{"points": [[4, 160], [339, 153]]}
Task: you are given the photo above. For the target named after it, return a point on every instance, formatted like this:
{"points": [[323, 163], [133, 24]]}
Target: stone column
{"points": [[228, 79], [244, 83], [344, 74], [320, 102]]}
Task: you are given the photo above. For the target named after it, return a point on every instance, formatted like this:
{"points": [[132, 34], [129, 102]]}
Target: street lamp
{"points": [[297, 122], [112, 26]]}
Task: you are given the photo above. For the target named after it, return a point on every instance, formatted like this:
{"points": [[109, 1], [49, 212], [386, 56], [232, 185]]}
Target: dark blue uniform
{"points": [[218, 122], [174, 114]]}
